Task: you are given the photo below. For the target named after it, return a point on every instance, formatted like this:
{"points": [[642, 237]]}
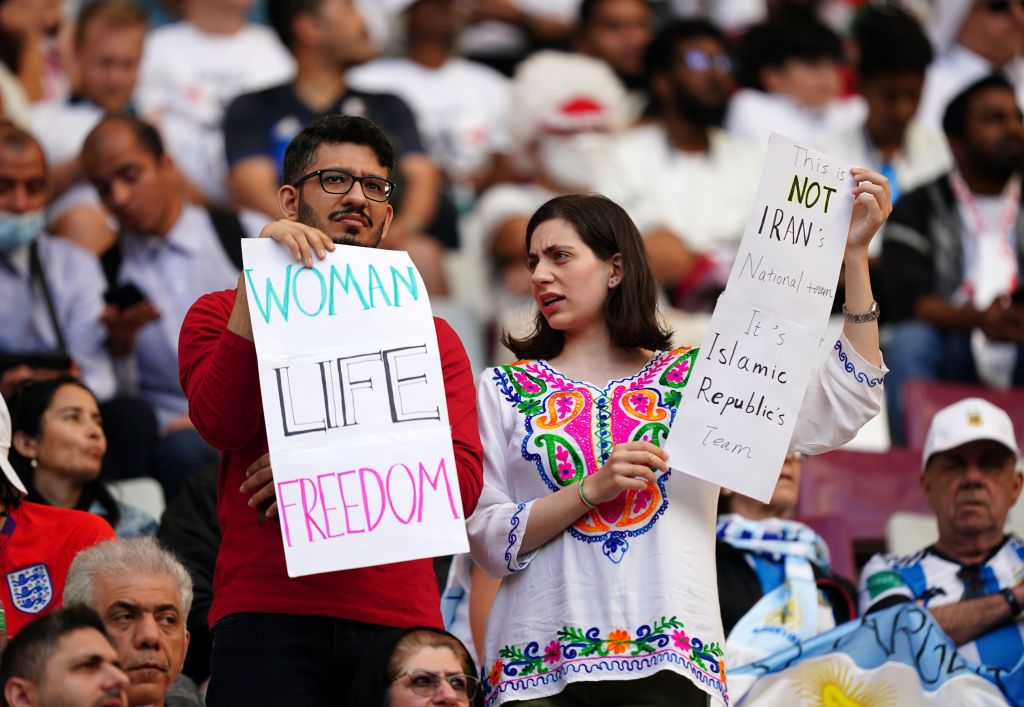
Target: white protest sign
{"points": [[741, 403], [354, 403]]}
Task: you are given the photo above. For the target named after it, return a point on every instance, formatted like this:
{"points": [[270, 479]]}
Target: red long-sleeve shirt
{"points": [[219, 376]]}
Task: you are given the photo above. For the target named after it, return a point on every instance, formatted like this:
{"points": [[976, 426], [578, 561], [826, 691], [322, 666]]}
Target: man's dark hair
{"points": [[889, 40], [661, 51], [147, 136], [282, 13], [954, 120], [772, 44], [16, 138], [630, 310], [335, 130], [587, 10], [28, 652], [117, 13]]}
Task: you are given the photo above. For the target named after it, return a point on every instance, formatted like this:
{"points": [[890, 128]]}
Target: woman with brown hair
{"points": [[608, 594]]}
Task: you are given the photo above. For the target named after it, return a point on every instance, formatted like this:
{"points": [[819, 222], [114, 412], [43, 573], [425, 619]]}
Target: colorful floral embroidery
{"points": [[572, 427], [861, 376], [574, 645]]}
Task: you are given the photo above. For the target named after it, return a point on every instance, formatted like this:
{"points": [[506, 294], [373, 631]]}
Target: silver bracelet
{"points": [[868, 316]]}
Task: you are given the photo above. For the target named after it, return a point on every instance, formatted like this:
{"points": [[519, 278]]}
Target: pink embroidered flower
{"points": [[565, 468], [564, 406], [641, 403], [681, 640], [642, 500], [618, 641], [678, 372], [525, 383], [552, 652]]}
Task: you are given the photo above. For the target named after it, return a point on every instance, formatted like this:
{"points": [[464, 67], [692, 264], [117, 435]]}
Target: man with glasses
{"points": [[971, 578], [686, 184], [303, 635], [973, 39], [169, 252]]}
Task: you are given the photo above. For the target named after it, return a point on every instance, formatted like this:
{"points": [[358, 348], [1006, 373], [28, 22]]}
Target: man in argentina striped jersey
{"points": [[971, 578]]}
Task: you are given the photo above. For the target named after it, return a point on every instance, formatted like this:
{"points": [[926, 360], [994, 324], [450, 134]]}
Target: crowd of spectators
{"points": [[136, 151]]}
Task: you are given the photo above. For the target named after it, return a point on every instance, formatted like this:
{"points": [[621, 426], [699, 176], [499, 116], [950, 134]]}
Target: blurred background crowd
{"points": [[108, 234]]}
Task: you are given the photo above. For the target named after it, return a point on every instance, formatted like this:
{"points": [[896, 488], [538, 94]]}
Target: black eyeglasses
{"points": [[426, 683], [1000, 6], [338, 181]]}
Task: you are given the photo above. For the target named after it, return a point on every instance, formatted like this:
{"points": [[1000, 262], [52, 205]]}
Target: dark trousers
{"points": [[285, 659]]}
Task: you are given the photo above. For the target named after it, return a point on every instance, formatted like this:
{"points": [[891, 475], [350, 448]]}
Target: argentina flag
{"points": [[897, 657]]}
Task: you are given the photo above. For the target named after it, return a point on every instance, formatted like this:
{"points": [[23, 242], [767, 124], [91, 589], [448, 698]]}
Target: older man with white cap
{"points": [[37, 543], [970, 579]]}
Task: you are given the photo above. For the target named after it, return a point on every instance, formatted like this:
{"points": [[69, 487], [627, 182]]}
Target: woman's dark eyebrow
{"points": [[555, 246]]}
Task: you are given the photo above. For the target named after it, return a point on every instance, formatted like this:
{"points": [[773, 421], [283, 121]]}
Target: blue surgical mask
{"points": [[17, 230]]}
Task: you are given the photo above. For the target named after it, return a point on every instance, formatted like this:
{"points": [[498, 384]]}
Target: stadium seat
{"points": [[922, 399], [142, 493], [864, 488], [835, 531]]}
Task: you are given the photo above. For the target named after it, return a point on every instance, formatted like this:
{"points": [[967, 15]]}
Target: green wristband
{"points": [[579, 487]]}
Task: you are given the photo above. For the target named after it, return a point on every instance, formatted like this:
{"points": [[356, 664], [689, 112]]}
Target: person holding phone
{"points": [[169, 253]]}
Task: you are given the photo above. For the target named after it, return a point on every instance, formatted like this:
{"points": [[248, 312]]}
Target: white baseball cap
{"points": [[5, 448], [969, 420]]}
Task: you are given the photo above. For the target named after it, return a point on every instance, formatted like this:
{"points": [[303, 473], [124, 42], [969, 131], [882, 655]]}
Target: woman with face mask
{"points": [[58, 449], [608, 592]]}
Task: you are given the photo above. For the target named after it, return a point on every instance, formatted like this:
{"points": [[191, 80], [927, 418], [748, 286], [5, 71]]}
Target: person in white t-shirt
{"points": [[108, 47], [790, 73], [459, 105], [973, 38], [190, 72], [688, 185]]}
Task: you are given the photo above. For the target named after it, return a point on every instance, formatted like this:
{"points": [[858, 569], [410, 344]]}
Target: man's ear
{"points": [[660, 87], [20, 692], [288, 200], [1018, 483], [389, 215], [770, 77], [25, 445]]}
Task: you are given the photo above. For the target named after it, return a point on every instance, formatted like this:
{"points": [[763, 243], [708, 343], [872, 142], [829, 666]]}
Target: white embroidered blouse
{"points": [[629, 589]]}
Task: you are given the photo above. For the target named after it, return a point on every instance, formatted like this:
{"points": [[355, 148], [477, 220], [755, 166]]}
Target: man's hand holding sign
{"points": [[740, 409]]}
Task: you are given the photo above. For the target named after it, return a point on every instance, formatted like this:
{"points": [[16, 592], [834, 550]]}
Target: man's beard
{"points": [[309, 217], [703, 114]]}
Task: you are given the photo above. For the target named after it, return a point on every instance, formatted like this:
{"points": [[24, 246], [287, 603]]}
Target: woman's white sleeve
{"points": [[841, 397], [497, 525]]}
